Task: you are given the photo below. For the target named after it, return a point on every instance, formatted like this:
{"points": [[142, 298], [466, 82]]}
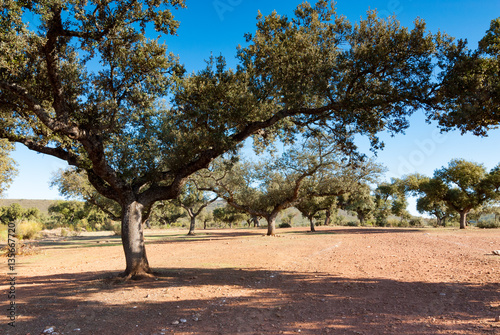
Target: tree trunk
{"points": [[133, 242], [271, 225], [255, 220], [361, 218], [311, 222], [328, 217], [463, 219], [192, 225]]}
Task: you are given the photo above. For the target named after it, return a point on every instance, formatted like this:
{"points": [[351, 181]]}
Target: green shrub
{"points": [[28, 230], [488, 224], [116, 227], [352, 224], [285, 225], [417, 222]]}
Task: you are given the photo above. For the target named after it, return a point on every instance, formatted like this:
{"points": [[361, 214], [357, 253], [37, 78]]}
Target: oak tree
{"points": [[462, 186], [87, 82]]}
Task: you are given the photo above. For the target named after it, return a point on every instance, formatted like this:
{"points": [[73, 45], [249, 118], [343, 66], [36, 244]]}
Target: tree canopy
{"points": [[462, 186], [469, 94]]}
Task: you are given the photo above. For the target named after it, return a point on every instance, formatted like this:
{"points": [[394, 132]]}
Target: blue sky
{"points": [[218, 26]]}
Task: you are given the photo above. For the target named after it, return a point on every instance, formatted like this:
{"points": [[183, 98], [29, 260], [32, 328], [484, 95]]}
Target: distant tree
{"points": [[310, 207], [67, 213], [194, 202], [391, 199], [11, 213], [206, 217], [166, 213], [361, 202], [73, 184], [228, 215], [462, 186], [316, 168], [7, 166]]}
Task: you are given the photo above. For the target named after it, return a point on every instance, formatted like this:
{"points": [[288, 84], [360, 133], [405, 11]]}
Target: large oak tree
{"points": [[85, 82]]}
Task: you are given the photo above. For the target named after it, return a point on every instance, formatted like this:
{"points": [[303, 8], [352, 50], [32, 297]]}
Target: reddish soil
{"points": [[336, 281]]}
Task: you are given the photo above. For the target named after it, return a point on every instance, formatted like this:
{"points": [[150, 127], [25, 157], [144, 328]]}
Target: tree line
{"points": [[314, 72]]}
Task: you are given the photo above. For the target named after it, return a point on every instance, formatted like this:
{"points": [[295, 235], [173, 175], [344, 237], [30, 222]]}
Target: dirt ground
{"points": [[336, 281]]}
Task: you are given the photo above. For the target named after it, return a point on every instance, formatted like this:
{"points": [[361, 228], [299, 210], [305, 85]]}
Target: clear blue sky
{"points": [[218, 26]]}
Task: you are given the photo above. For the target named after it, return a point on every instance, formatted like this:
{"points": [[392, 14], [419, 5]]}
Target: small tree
{"points": [[462, 186], [362, 203], [228, 215], [166, 213], [194, 202], [316, 168], [391, 199], [309, 207]]}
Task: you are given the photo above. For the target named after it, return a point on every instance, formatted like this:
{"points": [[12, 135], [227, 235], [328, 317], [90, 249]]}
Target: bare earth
{"points": [[336, 281]]}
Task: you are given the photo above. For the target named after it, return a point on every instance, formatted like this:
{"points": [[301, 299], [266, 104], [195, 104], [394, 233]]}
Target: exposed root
{"points": [[135, 275]]}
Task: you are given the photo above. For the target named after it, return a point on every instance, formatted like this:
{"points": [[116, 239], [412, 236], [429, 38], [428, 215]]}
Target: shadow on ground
{"points": [[250, 302]]}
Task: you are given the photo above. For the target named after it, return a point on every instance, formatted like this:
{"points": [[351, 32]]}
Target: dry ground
{"points": [[336, 281]]}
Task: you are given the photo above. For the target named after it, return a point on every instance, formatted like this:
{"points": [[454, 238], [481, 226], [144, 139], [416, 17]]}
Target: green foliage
{"points": [[77, 215], [462, 186], [488, 224], [74, 184], [7, 166], [166, 213], [15, 212], [469, 93], [229, 215]]}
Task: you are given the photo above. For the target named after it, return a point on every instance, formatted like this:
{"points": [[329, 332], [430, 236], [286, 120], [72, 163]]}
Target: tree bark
{"points": [[463, 219], [271, 224], [361, 218], [311, 222], [255, 221], [133, 242], [328, 217], [192, 225]]}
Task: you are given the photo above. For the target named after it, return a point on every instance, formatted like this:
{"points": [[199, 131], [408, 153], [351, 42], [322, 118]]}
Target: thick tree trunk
{"points": [[271, 225], [192, 225], [311, 222], [463, 219], [133, 242]]}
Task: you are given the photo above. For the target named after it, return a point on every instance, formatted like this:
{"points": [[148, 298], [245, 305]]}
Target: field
{"points": [[337, 281]]}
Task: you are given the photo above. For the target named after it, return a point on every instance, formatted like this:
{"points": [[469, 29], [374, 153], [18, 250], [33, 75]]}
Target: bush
{"points": [[488, 224], [28, 230], [285, 225], [417, 222]]}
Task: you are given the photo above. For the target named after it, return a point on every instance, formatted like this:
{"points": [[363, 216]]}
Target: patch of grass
{"points": [[28, 230], [3, 232]]}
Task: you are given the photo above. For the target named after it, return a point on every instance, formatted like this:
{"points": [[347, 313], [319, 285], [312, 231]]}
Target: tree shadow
{"points": [[348, 231], [250, 301]]}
